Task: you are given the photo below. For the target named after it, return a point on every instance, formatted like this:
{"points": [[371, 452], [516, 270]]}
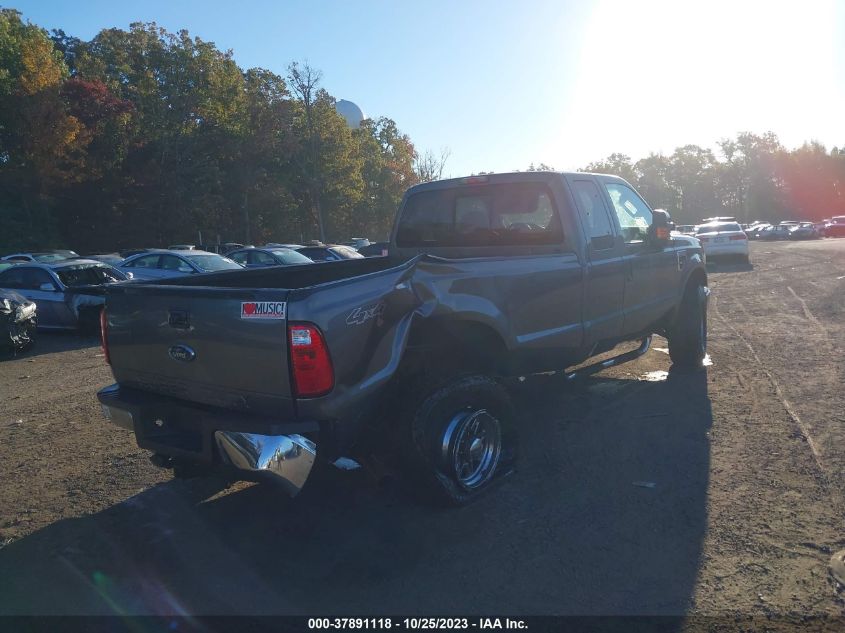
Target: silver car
{"points": [[44, 257], [269, 256], [68, 294], [166, 263]]}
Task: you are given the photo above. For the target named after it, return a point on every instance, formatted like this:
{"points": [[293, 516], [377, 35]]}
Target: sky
{"points": [[502, 85]]}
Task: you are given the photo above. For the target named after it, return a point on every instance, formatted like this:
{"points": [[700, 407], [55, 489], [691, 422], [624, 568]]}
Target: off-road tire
{"points": [[688, 336]]}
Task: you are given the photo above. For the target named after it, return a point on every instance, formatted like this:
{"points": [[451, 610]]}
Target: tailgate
{"points": [[224, 347]]}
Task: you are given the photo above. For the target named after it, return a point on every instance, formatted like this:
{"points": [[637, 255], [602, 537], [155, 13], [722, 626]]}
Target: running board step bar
{"points": [[610, 362]]}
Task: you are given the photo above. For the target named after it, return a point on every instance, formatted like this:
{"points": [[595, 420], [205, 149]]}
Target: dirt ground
{"points": [[639, 490]]}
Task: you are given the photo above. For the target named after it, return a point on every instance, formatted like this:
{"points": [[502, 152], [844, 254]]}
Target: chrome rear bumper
{"points": [[286, 458], [178, 430]]}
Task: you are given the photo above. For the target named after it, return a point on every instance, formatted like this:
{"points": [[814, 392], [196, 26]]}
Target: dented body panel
{"points": [[538, 307]]}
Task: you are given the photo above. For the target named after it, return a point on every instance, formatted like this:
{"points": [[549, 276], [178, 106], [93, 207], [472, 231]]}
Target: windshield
{"points": [[212, 263], [89, 275], [289, 257]]}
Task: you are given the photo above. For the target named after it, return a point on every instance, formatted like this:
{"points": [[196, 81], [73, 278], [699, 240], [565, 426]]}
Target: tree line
{"points": [[754, 178], [143, 137]]}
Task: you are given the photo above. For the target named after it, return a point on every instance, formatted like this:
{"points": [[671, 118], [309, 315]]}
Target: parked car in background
{"points": [[43, 257], [228, 247], [257, 257], [112, 259], [357, 242], [182, 247], [174, 263], [18, 321], [68, 293], [277, 245], [753, 231], [836, 228], [220, 249], [773, 233], [375, 249], [329, 252], [723, 239], [803, 231], [685, 229]]}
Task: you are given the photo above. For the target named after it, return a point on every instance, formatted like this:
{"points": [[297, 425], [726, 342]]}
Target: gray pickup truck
{"points": [[260, 371]]}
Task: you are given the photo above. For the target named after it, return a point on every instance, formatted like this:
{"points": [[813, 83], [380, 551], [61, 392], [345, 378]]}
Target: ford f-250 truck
{"points": [[260, 371]]}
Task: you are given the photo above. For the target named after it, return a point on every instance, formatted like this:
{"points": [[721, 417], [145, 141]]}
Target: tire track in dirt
{"points": [[810, 316], [802, 428]]}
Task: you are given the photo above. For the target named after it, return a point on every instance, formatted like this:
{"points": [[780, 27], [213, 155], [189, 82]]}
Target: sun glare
{"points": [[654, 75]]}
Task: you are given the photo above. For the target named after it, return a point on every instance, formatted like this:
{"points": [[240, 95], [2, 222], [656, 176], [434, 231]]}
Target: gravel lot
{"points": [[746, 508]]}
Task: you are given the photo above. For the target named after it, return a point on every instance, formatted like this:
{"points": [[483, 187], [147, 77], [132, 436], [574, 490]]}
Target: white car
{"points": [[723, 239]]}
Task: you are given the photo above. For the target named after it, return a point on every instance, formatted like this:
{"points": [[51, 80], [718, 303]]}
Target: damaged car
{"points": [[69, 293], [19, 321]]}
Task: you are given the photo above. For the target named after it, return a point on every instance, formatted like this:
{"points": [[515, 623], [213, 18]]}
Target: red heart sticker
{"points": [[249, 308]]}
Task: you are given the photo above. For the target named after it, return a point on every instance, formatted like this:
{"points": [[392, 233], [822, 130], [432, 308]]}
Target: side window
{"points": [[147, 261], [12, 278], [240, 257], [34, 277], [633, 213], [593, 213], [262, 258], [171, 262]]}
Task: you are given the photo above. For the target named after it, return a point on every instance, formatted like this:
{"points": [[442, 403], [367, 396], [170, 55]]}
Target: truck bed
{"points": [[188, 337], [286, 277]]}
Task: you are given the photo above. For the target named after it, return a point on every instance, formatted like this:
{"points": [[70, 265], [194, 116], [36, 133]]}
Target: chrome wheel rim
{"points": [[471, 447]]}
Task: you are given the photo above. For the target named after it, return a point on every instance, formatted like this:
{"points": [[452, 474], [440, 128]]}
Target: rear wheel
{"points": [[461, 439], [688, 337]]}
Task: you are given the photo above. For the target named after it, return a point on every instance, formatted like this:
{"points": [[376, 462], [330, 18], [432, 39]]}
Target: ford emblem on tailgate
{"points": [[182, 353]]}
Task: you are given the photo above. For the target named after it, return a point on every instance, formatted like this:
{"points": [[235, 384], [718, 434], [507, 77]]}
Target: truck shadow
{"points": [[605, 515]]}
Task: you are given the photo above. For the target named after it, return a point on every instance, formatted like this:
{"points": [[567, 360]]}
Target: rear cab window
{"points": [[489, 215]]}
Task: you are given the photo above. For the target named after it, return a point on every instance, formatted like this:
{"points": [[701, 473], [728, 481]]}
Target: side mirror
{"points": [[660, 228], [47, 287]]}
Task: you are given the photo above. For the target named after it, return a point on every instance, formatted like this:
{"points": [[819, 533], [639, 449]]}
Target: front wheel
{"points": [[462, 438], [688, 337]]}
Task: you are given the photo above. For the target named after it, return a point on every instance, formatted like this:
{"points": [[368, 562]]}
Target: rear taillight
{"points": [[104, 334], [737, 237], [313, 374]]}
